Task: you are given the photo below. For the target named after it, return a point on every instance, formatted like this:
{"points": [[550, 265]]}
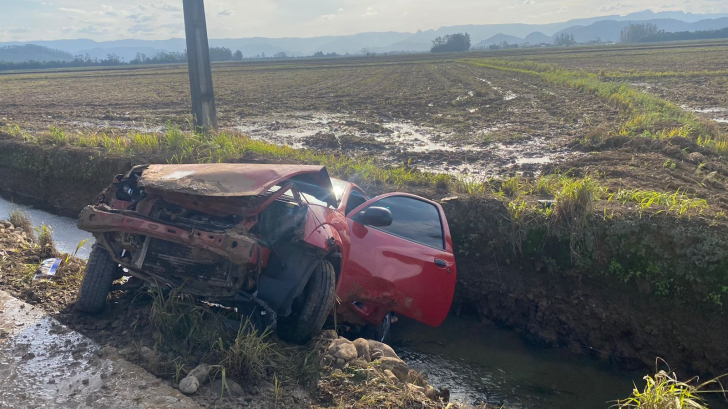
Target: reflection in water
{"points": [[65, 233], [485, 364]]}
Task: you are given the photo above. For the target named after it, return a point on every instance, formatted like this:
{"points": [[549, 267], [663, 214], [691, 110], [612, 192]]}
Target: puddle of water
{"points": [[485, 364], [294, 129], [710, 110], [413, 138], [539, 160], [65, 233], [507, 96], [44, 364], [714, 113]]}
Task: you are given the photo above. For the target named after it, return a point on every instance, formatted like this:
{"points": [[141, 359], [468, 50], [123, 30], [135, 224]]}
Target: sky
{"points": [[33, 20]]}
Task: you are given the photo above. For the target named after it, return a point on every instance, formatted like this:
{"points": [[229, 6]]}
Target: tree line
{"points": [[162, 57], [649, 32], [451, 43], [85, 60]]}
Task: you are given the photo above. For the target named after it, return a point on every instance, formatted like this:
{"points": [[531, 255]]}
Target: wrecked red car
{"points": [[285, 241]]}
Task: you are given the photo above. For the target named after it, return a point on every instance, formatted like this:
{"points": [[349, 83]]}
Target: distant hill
{"points": [[609, 30], [606, 28], [500, 38], [31, 52], [539, 38]]}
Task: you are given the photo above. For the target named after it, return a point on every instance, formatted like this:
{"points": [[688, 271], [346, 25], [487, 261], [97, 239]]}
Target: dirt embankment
{"points": [[641, 288], [627, 287]]}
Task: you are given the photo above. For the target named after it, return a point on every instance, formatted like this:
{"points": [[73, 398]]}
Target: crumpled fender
{"points": [[323, 237]]}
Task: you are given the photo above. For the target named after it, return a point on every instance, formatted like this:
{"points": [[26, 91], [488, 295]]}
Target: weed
{"points": [[277, 388], [665, 391], [177, 317], [21, 219], [515, 186], [574, 205], [249, 352], [518, 224], [678, 203], [45, 240], [178, 368], [57, 136], [546, 185]]}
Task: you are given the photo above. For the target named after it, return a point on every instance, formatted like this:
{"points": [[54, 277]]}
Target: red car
{"points": [[282, 241]]}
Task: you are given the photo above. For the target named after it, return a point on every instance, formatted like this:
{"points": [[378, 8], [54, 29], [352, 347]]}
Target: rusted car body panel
{"points": [[236, 179], [214, 228]]}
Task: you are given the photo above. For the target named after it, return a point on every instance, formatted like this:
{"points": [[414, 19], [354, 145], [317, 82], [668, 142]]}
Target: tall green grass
{"points": [[186, 147], [665, 391]]}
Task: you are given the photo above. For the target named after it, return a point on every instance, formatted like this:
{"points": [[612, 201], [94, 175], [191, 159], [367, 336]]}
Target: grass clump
{"points": [[574, 204], [45, 240], [665, 391], [21, 219], [181, 322], [575, 201], [249, 354], [677, 203], [188, 327]]}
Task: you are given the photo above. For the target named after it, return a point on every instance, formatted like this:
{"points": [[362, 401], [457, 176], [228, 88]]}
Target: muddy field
{"points": [[692, 75], [443, 116]]}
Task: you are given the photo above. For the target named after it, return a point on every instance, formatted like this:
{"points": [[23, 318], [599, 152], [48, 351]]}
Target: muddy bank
{"points": [[644, 284], [644, 287]]}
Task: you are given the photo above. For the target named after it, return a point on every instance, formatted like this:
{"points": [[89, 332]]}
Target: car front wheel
{"points": [[311, 308], [100, 274]]}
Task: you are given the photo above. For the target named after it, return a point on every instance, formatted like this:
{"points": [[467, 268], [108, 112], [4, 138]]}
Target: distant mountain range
{"points": [[606, 31], [13, 53], [605, 28]]}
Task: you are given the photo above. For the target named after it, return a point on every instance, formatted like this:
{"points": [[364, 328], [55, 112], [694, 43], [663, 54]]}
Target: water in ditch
{"points": [[65, 234], [480, 364], [487, 364]]}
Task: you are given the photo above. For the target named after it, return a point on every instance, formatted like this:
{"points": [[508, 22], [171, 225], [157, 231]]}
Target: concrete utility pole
{"points": [[198, 59]]}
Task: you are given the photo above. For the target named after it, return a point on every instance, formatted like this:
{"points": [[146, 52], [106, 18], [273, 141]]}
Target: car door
{"points": [[408, 267]]}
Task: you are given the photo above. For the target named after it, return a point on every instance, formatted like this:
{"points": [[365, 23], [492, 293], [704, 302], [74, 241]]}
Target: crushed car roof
{"points": [[238, 179]]}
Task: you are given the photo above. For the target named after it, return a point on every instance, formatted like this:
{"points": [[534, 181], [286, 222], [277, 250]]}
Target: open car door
{"points": [[407, 266]]}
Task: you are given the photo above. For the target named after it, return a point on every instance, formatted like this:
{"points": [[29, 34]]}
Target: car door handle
{"points": [[440, 263]]}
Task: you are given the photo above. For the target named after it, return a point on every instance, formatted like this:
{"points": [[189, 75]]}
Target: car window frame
{"points": [[357, 211], [348, 198]]}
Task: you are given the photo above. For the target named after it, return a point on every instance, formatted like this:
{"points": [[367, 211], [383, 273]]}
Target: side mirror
{"points": [[376, 217]]}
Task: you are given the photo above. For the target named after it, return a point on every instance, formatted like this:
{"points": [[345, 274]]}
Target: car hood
{"points": [[237, 179]]}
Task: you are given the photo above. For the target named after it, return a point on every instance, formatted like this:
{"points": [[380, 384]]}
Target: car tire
{"points": [[311, 308], [380, 332], [96, 284]]}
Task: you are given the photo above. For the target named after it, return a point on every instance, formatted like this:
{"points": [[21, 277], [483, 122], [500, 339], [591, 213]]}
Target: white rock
{"points": [[189, 385], [201, 372]]}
